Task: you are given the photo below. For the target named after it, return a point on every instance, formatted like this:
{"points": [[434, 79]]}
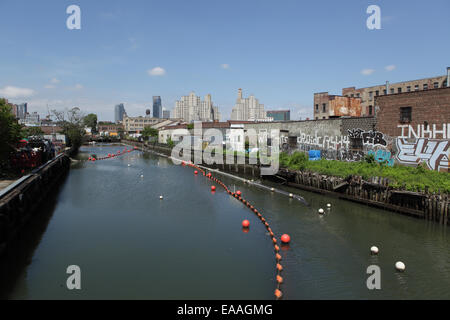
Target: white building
{"points": [[248, 109], [190, 108]]}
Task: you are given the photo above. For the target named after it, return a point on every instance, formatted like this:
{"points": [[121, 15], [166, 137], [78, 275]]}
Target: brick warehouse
{"points": [[420, 124], [427, 113]]}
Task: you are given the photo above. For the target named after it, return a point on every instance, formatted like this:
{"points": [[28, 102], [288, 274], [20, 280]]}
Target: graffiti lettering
{"points": [[382, 156], [434, 152], [425, 131]]}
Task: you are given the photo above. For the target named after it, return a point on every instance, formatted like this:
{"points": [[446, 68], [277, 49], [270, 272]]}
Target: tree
{"points": [[71, 122], [149, 132], [10, 131], [90, 121], [32, 131]]}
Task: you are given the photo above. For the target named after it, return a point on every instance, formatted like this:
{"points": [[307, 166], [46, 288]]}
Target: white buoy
{"points": [[321, 211], [129, 165], [374, 250], [291, 195], [272, 189], [328, 205], [160, 197], [400, 266], [142, 175]]}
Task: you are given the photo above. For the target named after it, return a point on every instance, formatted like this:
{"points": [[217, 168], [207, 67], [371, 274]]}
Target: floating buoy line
{"points": [[246, 224], [113, 155]]}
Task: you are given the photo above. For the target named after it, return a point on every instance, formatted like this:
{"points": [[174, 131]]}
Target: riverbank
{"points": [[19, 200], [377, 192]]}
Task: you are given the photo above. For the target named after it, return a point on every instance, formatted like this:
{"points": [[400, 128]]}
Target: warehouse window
{"points": [[324, 107], [370, 110], [405, 114]]}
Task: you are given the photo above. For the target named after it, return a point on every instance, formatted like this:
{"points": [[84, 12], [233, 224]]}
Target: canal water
{"points": [[107, 219]]}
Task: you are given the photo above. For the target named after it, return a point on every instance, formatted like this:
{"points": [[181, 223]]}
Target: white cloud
{"points": [[390, 67], [15, 92], [54, 81], [225, 66], [158, 71], [367, 72], [49, 86], [78, 86]]}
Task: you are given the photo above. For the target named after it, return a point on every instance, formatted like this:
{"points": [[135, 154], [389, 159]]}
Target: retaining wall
{"points": [[19, 201]]}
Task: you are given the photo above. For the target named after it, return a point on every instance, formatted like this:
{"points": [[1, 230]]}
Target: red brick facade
{"points": [[428, 108]]}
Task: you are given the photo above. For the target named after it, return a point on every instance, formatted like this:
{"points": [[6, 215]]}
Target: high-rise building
{"points": [[190, 108], [21, 111], [119, 112], [32, 119], [279, 115], [248, 109], [166, 114], [157, 107]]}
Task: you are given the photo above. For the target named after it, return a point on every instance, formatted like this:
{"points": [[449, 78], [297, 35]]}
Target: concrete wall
{"points": [[19, 203]]}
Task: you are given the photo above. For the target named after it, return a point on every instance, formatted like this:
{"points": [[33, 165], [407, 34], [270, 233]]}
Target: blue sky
{"points": [[280, 51]]}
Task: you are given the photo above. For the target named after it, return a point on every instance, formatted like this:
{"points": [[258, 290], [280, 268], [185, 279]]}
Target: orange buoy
{"points": [[278, 257], [195, 172], [278, 294], [246, 223], [285, 238], [238, 193], [279, 267], [279, 279], [213, 188], [274, 240], [277, 248]]}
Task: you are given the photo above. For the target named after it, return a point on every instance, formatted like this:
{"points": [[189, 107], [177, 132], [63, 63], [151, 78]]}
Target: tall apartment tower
{"points": [[191, 108], [248, 109], [119, 111], [157, 107]]}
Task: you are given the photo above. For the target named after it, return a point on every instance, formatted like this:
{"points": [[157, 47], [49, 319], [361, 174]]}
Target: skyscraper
{"points": [[190, 108], [157, 107], [119, 111], [22, 110], [248, 109], [166, 114]]}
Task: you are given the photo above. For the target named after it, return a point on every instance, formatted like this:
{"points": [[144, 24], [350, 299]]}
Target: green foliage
{"points": [[409, 178], [370, 158], [190, 126], [10, 131], [32, 132], [72, 122], [170, 143], [90, 121], [149, 132], [296, 161]]}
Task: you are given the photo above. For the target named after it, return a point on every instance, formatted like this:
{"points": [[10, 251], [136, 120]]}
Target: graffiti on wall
{"points": [[425, 131], [368, 137], [323, 142], [382, 156], [435, 153]]}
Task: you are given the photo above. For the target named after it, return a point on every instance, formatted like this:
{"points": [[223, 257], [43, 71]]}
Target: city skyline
{"points": [[282, 60]]}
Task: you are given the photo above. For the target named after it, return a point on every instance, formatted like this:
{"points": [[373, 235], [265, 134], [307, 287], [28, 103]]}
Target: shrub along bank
{"points": [[401, 177]]}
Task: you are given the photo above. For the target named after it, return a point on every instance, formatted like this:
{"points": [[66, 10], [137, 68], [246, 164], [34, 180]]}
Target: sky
{"points": [[281, 51]]}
